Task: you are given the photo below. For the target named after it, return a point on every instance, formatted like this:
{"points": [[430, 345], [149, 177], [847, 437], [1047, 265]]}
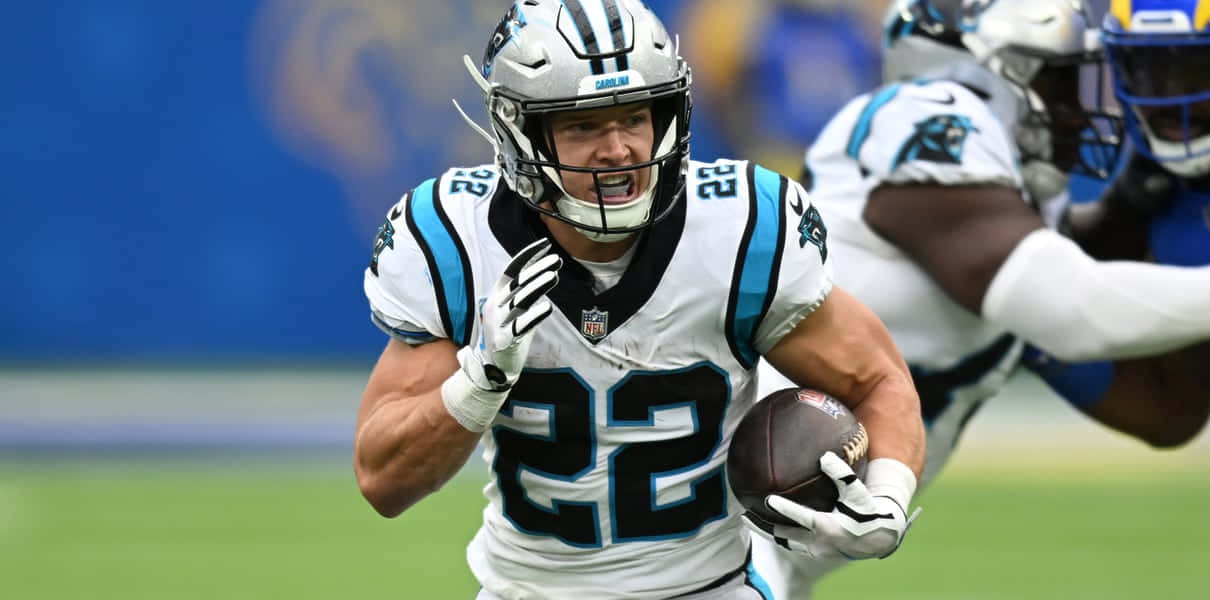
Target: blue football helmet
{"points": [[1160, 54]]}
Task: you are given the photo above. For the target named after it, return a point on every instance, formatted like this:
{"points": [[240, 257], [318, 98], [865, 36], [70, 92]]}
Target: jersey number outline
{"points": [[568, 452], [460, 182], [719, 182]]}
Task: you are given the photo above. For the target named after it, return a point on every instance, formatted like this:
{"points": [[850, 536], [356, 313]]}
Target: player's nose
{"points": [[612, 148]]}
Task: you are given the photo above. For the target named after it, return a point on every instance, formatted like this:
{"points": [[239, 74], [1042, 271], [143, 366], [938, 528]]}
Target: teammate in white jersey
{"points": [[938, 189], [591, 308]]}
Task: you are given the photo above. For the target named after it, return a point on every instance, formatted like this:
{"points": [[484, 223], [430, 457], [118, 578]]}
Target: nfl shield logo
{"points": [[822, 401], [594, 324]]}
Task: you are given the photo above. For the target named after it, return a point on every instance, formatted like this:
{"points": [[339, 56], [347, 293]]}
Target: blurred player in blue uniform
{"points": [[945, 192], [1160, 54]]}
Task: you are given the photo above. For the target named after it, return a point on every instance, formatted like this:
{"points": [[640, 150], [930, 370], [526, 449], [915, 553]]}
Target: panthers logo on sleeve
{"points": [[811, 228], [939, 139], [385, 239]]}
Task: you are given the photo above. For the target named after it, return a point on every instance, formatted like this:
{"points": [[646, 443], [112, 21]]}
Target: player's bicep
{"points": [[959, 235], [841, 348]]}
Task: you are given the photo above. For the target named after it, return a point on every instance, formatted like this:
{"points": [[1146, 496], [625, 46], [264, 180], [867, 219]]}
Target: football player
{"points": [[942, 190], [1160, 57], [591, 307]]}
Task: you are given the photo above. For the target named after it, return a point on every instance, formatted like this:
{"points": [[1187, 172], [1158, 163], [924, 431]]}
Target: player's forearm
{"points": [[890, 413], [1076, 309], [407, 449], [1163, 400]]}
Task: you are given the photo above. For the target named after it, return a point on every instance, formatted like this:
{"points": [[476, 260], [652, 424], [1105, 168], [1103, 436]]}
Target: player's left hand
{"points": [[862, 525]]}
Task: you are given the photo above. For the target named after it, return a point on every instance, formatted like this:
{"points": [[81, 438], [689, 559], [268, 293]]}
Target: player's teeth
{"points": [[614, 179]]}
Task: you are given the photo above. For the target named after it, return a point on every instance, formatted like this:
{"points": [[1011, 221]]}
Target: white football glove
{"points": [[867, 522], [517, 303]]}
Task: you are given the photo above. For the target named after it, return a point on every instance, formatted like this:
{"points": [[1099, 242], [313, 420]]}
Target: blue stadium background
{"points": [[199, 183], [194, 183]]}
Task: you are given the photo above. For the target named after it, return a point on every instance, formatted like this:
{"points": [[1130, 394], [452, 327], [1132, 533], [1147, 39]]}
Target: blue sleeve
{"points": [[1180, 235], [1081, 384]]}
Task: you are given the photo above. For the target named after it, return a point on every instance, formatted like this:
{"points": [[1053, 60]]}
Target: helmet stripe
{"points": [[615, 29], [1202, 17], [587, 35]]}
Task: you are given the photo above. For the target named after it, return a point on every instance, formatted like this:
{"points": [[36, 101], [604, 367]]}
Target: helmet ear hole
{"points": [[538, 131]]}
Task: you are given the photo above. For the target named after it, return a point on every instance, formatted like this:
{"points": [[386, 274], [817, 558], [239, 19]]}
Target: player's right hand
{"points": [[863, 525], [516, 304], [514, 307]]}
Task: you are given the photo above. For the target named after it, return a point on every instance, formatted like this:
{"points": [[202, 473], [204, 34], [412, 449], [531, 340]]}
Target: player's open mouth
{"points": [[616, 188]]}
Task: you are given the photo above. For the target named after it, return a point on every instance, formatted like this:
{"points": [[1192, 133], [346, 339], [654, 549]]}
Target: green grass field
{"points": [[239, 528]]}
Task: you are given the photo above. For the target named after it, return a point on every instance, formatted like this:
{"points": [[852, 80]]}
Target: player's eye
{"points": [[575, 127]]}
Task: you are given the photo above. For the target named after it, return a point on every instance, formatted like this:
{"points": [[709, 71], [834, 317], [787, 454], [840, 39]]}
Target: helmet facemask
{"points": [[1162, 80], [548, 59], [1037, 63], [540, 172], [1064, 120]]}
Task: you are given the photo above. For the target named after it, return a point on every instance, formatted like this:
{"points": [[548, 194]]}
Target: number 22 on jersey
{"points": [[568, 452]]}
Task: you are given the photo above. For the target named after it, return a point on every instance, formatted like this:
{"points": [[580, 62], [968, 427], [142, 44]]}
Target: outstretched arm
{"points": [[1163, 400], [973, 238], [991, 252]]}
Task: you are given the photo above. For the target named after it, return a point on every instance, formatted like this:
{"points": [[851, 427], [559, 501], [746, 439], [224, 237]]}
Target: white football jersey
{"points": [[928, 132], [607, 460]]}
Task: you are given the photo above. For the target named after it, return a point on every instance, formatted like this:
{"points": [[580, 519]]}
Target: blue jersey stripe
{"points": [[443, 250], [758, 272], [759, 582], [862, 132]]}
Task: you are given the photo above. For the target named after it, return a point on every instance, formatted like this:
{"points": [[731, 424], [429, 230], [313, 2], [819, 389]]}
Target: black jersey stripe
{"points": [[754, 279]]}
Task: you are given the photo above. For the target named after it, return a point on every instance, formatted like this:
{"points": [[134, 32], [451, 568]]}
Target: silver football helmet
{"points": [[1024, 57], [548, 56]]}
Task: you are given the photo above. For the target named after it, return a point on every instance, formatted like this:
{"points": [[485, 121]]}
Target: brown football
{"points": [[777, 446]]}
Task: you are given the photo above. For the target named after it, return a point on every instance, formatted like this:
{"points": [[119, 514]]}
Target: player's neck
{"points": [[579, 246]]}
